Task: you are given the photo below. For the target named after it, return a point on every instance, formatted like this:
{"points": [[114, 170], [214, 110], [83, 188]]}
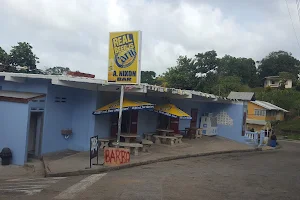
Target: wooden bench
{"points": [[158, 139], [134, 146], [194, 133], [198, 133], [178, 138], [104, 142], [148, 136], [146, 145]]}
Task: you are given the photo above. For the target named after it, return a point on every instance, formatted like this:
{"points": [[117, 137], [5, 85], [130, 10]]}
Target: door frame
{"points": [[196, 120], [129, 121], [38, 133]]}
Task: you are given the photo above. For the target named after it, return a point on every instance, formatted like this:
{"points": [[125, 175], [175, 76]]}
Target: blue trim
{"points": [[145, 107], [171, 115]]}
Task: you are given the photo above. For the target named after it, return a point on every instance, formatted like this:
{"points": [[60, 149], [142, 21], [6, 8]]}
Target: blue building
{"points": [[36, 109]]}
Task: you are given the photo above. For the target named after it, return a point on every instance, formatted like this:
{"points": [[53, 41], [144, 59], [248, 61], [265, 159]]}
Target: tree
{"points": [[56, 70], [241, 67], [22, 55], [206, 70], [183, 75], [148, 77], [208, 82], [161, 81], [276, 62], [3, 57], [297, 85], [226, 84], [283, 98], [206, 62]]}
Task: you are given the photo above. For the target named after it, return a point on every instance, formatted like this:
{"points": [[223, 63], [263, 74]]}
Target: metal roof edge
{"points": [[145, 86], [265, 105]]}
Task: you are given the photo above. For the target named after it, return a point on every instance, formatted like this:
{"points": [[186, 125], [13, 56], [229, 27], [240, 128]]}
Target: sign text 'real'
{"points": [[124, 57]]}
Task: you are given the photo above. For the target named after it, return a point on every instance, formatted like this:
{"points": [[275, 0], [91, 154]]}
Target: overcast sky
{"points": [[74, 33]]}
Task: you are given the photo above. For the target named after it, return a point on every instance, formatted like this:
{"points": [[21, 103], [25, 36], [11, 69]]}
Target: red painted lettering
{"points": [[106, 155], [127, 157], [118, 156], [123, 156], [112, 156]]}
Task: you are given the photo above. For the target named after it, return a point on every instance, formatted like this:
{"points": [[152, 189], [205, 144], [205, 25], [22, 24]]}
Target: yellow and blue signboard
{"points": [[124, 57]]}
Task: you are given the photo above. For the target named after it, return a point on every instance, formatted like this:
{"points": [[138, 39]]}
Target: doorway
{"points": [[35, 135], [194, 115], [174, 124], [129, 122], [163, 121], [167, 122]]}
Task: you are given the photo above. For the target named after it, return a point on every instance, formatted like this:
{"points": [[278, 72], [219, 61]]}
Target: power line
{"points": [[292, 23], [298, 8]]}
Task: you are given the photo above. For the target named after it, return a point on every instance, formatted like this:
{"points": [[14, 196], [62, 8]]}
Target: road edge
{"points": [[130, 165]]}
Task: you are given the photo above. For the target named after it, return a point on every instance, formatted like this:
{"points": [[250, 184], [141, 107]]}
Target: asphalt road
{"points": [[266, 175]]}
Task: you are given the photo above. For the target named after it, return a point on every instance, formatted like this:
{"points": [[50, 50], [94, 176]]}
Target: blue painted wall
{"points": [[75, 113], [103, 122], [13, 129], [83, 122], [58, 116], [147, 122], [37, 105], [235, 111]]}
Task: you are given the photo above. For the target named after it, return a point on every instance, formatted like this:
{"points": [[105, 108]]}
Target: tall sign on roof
{"points": [[124, 57]]}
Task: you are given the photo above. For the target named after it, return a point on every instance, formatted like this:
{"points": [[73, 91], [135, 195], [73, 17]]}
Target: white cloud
{"points": [[75, 33]]}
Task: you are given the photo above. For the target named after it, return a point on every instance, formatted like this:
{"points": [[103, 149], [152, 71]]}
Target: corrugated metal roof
{"points": [[258, 122], [20, 97], [244, 96], [268, 105], [92, 84], [274, 77]]}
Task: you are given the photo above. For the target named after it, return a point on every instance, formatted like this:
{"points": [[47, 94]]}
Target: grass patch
{"points": [[289, 136], [290, 126], [294, 136]]}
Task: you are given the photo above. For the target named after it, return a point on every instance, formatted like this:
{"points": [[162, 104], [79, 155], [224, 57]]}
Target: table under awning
{"points": [[172, 111], [127, 105]]}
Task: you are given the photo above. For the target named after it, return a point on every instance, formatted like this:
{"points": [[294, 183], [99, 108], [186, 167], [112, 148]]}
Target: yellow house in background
{"points": [[261, 113]]}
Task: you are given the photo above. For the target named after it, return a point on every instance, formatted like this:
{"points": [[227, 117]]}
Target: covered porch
{"points": [[228, 113]]}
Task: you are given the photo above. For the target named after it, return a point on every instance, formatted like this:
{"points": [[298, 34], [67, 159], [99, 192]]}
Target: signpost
{"points": [[120, 115], [94, 148], [124, 63]]}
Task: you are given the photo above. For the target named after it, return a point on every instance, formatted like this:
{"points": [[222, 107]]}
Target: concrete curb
{"points": [[130, 165]]}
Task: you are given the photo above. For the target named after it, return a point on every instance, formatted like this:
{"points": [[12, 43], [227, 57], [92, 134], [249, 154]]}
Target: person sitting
{"points": [[273, 140]]}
